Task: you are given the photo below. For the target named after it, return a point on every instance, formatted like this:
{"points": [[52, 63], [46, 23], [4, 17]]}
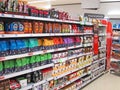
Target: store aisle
{"points": [[106, 82]]}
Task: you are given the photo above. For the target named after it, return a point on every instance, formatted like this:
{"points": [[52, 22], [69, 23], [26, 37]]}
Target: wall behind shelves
{"points": [[76, 10]]}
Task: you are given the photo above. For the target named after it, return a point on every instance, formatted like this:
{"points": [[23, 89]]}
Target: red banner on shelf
{"points": [[109, 44], [96, 46]]}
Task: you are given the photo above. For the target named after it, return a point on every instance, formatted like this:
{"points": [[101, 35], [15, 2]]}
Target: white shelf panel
{"points": [[89, 44], [42, 82], [38, 35], [115, 60], [37, 53], [42, 67], [24, 72], [27, 87], [102, 34], [99, 60], [102, 47], [70, 72], [103, 66]]}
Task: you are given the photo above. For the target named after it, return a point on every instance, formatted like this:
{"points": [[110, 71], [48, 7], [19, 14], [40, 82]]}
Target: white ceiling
{"points": [[58, 2], [41, 3]]}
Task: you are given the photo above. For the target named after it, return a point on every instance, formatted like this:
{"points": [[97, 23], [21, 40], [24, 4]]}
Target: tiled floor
{"points": [[105, 82]]}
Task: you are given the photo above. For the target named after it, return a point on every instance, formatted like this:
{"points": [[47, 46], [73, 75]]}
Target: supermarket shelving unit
{"points": [[92, 73]]}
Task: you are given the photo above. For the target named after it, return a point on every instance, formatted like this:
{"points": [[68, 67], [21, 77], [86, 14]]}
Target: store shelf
{"points": [[102, 47], [117, 49], [41, 82], [69, 82], [103, 66], [39, 35], [89, 81], [114, 60], [89, 44], [32, 85], [70, 72], [70, 57], [27, 87], [37, 53], [102, 34], [99, 60], [42, 19], [88, 33], [4, 77]]}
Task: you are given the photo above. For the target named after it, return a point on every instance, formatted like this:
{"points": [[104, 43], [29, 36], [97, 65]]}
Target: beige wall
{"points": [[75, 10]]}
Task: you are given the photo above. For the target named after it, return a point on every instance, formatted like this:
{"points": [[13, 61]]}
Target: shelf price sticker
{"points": [[66, 48], [60, 87], [74, 46], [44, 51], [30, 54], [2, 58], [2, 77], [56, 49]]}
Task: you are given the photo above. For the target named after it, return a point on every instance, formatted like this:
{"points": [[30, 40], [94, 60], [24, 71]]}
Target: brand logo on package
{"points": [[91, 15]]}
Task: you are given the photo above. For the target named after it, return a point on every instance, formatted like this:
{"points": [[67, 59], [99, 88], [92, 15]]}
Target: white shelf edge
{"points": [[70, 72], [38, 35], [102, 47], [99, 60], [115, 60], [25, 71], [98, 68], [37, 53], [27, 87], [69, 82]]}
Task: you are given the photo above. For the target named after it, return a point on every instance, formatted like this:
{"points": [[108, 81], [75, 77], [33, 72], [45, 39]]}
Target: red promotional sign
{"points": [[109, 43], [96, 50]]}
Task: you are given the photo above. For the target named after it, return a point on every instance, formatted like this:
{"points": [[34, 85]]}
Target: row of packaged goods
{"points": [[84, 80], [21, 7], [101, 54], [17, 65], [21, 46], [98, 64], [57, 70], [102, 41], [21, 27]]}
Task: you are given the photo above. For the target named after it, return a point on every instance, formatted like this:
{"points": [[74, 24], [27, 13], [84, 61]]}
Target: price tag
{"points": [[2, 15], [44, 51], [64, 84], [56, 49], [13, 15], [60, 87], [2, 58], [74, 46], [55, 89], [30, 54], [2, 77], [66, 48]]}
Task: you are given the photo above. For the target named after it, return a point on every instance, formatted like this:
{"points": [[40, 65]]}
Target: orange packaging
{"points": [[36, 27], [41, 25], [26, 27], [30, 27]]}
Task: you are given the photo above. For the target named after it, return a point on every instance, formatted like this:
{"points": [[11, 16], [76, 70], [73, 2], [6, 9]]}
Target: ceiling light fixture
{"points": [[114, 12]]}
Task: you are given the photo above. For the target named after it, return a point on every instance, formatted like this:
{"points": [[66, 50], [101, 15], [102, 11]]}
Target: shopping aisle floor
{"points": [[105, 82]]}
